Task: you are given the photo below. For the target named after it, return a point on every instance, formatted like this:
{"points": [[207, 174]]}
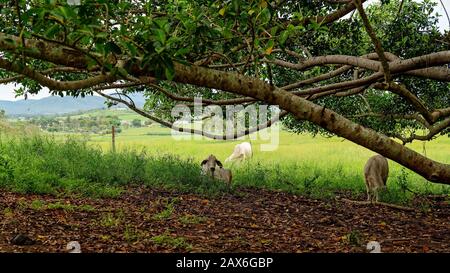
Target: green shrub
{"points": [[43, 165]]}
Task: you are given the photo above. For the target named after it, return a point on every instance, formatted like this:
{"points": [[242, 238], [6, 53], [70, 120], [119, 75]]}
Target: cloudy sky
{"points": [[6, 91]]}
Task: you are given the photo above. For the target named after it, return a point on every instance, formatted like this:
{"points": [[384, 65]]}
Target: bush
{"points": [[43, 165], [136, 123]]}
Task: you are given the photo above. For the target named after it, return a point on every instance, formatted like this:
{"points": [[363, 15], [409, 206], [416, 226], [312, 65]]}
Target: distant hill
{"points": [[55, 105]]}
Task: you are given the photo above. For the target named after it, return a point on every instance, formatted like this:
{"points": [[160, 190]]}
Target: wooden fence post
{"points": [[113, 139]]}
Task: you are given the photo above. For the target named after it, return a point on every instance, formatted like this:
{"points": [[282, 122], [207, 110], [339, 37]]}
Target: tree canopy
{"points": [[372, 75]]}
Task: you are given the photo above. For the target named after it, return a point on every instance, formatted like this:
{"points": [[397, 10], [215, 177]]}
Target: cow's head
{"points": [[210, 164]]}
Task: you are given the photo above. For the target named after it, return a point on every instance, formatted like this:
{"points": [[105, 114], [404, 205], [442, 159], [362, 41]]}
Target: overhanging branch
{"points": [[174, 127], [54, 84]]}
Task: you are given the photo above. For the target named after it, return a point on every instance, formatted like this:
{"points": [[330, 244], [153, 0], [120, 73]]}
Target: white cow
{"points": [[213, 167], [241, 152]]}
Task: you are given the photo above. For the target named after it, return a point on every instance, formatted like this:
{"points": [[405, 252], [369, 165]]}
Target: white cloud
{"points": [[7, 93]]}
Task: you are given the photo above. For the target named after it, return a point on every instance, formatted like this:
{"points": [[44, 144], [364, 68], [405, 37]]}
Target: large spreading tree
{"points": [[377, 76]]}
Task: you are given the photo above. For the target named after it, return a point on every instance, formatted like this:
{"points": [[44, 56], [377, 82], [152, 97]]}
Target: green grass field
{"points": [[324, 164], [121, 114], [293, 148], [316, 166]]}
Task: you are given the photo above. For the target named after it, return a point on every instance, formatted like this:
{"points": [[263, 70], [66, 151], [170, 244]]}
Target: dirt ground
{"points": [[250, 220]]}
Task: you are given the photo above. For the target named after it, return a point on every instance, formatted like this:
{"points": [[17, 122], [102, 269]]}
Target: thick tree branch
{"points": [[204, 101], [150, 82], [417, 66], [65, 56], [119, 86], [45, 51], [440, 113]]}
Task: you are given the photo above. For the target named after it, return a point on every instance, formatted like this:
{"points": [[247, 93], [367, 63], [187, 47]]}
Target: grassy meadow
{"points": [[319, 166], [84, 164]]}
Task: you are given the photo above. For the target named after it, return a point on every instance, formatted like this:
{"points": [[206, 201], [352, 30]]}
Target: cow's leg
{"points": [[376, 191], [368, 192]]}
